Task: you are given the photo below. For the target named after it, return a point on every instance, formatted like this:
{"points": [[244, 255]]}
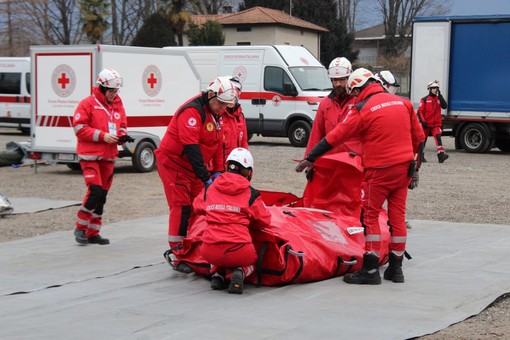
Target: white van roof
{"points": [[297, 56]]}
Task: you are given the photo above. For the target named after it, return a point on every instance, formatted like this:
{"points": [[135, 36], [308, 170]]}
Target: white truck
{"points": [[469, 56], [15, 92], [282, 85], [156, 82]]}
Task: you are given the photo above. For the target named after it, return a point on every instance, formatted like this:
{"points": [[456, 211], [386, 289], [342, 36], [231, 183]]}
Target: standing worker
{"points": [[231, 207], [391, 136], [429, 114], [331, 112], [235, 134], [191, 142], [99, 124]]}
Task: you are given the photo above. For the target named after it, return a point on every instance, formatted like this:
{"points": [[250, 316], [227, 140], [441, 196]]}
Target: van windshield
{"points": [[311, 78]]}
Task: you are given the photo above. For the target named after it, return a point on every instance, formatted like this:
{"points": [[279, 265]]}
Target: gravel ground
{"points": [[469, 188]]}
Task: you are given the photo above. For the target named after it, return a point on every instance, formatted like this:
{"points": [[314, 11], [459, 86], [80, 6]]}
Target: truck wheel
{"points": [[474, 138], [299, 132], [144, 159], [503, 144]]}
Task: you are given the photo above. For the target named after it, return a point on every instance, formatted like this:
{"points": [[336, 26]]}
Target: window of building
{"points": [[243, 28]]}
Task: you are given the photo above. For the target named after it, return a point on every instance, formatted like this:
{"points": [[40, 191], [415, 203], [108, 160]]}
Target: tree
{"points": [[274, 4], [52, 21], [398, 18], [338, 41], [178, 17], [94, 14], [156, 31], [209, 34]]}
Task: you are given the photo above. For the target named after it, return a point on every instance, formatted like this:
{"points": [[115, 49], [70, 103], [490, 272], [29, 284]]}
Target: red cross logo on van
{"points": [[276, 100], [63, 80], [152, 80]]}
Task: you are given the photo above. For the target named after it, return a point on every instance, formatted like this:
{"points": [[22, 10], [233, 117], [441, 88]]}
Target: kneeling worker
{"points": [[231, 207]]}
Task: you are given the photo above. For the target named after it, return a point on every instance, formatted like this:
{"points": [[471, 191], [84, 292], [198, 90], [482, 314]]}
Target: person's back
{"points": [[386, 132], [229, 210], [231, 207]]}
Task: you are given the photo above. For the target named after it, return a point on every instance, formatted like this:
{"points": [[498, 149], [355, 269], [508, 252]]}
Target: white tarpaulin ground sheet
{"points": [[52, 288], [25, 205]]}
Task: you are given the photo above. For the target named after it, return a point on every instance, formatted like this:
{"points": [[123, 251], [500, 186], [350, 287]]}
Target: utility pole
{"points": [[290, 8]]}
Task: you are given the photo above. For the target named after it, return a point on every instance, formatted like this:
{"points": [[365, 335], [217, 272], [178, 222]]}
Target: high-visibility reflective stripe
{"points": [[398, 239], [95, 138], [373, 238], [177, 238], [95, 226]]}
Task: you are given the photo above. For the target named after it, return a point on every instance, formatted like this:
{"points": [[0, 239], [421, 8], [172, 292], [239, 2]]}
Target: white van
{"points": [[15, 92], [156, 83], [282, 85]]}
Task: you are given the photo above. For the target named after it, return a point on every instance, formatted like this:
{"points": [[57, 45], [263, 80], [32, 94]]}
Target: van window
{"points": [[275, 79], [27, 81], [10, 83]]}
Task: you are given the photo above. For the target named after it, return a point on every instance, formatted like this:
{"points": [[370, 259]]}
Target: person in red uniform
{"points": [[99, 124], [191, 142], [231, 207], [391, 136], [332, 110], [235, 134], [429, 114]]}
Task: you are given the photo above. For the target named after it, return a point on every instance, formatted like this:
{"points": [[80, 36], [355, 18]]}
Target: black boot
{"points": [[368, 274], [97, 239], [237, 281], [394, 271], [442, 156]]}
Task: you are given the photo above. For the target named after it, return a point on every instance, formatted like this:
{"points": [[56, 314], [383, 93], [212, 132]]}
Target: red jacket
{"points": [[90, 123], [429, 110], [333, 110], [187, 128], [388, 127], [235, 134], [231, 206]]}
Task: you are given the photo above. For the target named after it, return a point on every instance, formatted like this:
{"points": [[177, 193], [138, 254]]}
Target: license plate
{"points": [[66, 157]]}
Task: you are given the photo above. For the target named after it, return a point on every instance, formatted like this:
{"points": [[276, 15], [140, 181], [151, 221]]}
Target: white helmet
{"points": [[339, 68], [387, 80], [223, 89], [241, 156], [432, 84], [237, 83], [358, 78], [109, 78]]}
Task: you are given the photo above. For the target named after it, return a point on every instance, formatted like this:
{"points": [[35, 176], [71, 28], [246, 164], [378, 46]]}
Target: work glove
{"points": [[309, 173], [415, 178], [125, 139], [207, 183], [215, 175], [304, 164], [425, 125]]}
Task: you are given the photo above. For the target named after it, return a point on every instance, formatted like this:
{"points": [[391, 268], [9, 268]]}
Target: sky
{"points": [[479, 7]]}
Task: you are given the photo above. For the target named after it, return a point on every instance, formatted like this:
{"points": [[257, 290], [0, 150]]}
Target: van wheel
{"points": [[474, 138], [299, 132], [144, 159]]}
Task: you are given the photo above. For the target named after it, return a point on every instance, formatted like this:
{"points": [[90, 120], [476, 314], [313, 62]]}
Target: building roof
{"points": [[370, 33], [375, 33], [258, 16]]}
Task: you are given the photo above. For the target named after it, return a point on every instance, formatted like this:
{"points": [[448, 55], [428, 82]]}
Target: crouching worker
{"points": [[231, 207]]}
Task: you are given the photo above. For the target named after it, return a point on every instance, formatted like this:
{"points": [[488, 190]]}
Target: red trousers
{"points": [[98, 176], [227, 256], [380, 185], [181, 188]]}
